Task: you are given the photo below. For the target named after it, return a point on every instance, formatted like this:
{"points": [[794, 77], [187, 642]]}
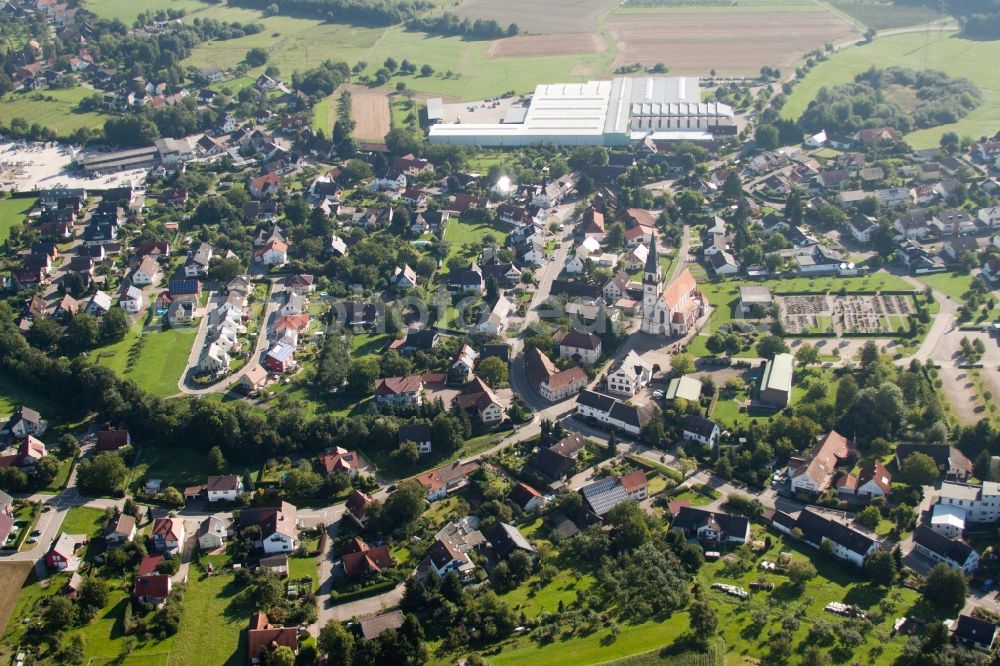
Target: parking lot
{"points": [[25, 166]]}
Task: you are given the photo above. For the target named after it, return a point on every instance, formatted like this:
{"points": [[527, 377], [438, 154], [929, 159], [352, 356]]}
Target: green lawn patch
{"points": [[13, 395], [161, 360], [56, 109], [533, 600], [83, 520], [942, 51], [126, 10], [13, 211], [302, 567], [211, 630], [884, 15], [459, 233]]}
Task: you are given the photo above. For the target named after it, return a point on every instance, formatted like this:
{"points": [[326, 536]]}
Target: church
{"points": [[672, 311]]}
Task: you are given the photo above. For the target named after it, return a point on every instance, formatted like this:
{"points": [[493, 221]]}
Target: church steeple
{"points": [[651, 273]]}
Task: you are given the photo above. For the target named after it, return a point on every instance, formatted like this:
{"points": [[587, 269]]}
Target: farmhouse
{"points": [[815, 473], [711, 527], [552, 384], [601, 113], [956, 553]]}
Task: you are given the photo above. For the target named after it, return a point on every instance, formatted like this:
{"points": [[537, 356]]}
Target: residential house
{"points": [[975, 633], [461, 368], [119, 531], [699, 429], [62, 556], [112, 440], [278, 527], [339, 459], [30, 451], [99, 304], [254, 379], [445, 557], [989, 218], [152, 588], [215, 531], [439, 482], [280, 358], [526, 498], [168, 535], [956, 553], [132, 300], [552, 384], [952, 222], [913, 225], [364, 561], [24, 422], [629, 375], [198, 261], [636, 485], [399, 391], [418, 433], [950, 462], [814, 474], [357, 506], [274, 253], [147, 272], [300, 284], [263, 636], [404, 277], [226, 488], [479, 400], [264, 186], [712, 527], [579, 347], [848, 544], [498, 319], [862, 227], [506, 539], [467, 280], [601, 496], [954, 247], [613, 413]]}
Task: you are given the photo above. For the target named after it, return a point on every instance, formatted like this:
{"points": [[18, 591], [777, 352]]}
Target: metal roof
{"points": [[778, 373]]}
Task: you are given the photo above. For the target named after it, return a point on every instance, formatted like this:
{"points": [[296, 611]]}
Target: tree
{"points": [[256, 57], [704, 623], [336, 643], [302, 482], [114, 325], [869, 517], [93, 592], [769, 345], [216, 461], [362, 375], [172, 497], [45, 333], [426, 71], [807, 354], [946, 587], [46, 469], [81, 334], [919, 469], [103, 474], [61, 613], [282, 656], [881, 568], [493, 371], [405, 505], [800, 572], [12, 479], [681, 364], [767, 137]]}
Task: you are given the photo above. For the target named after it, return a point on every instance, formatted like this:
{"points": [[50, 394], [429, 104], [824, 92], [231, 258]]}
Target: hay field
{"points": [[371, 114], [524, 46], [733, 43]]}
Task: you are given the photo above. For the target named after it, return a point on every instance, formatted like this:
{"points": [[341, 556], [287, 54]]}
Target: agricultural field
{"points": [[650, 6], [736, 42], [371, 114], [943, 51], [539, 18], [547, 45], [885, 15], [51, 108], [12, 577]]}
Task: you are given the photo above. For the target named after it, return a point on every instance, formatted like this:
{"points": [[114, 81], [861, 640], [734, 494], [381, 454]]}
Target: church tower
{"points": [[652, 287]]}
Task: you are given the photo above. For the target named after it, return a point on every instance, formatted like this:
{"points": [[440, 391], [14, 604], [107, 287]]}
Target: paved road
{"points": [[186, 386]]}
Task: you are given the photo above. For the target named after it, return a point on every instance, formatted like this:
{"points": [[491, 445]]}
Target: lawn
{"points": [[51, 108], [942, 51], [835, 582], [21, 583], [177, 467], [126, 10], [954, 286], [459, 233], [13, 211], [161, 362], [212, 625], [83, 520], [534, 601], [302, 567], [884, 15]]}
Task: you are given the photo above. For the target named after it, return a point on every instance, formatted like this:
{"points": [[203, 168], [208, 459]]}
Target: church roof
{"points": [[679, 288], [652, 259]]}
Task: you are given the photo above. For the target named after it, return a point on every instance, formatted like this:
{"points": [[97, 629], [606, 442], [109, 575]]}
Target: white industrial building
{"points": [[601, 113]]}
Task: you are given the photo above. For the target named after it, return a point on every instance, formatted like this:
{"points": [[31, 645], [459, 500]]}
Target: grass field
{"points": [[649, 6], [954, 286], [51, 108], [126, 10], [82, 520], [161, 362], [211, 630], [458, 233], [175, 467], [939, 50], [12, 211], [13, 395]]}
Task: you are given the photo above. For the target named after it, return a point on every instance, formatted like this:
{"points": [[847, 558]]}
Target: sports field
{"points": [[51, 108], [945, 51]]}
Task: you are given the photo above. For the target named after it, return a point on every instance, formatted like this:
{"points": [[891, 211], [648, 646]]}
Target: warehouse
{"points": [[601, 113], [168, 152]]}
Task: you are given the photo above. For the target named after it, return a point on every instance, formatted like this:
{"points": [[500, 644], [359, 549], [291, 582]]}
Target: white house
{"points": [[147, 272], [630, 375], [956, 553], [815, 473], [981, 503], [496, 322], [226, 488], [580, 347], [168, 534], [131, 301], [215, 531], [701, 430], [989, 217]]}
